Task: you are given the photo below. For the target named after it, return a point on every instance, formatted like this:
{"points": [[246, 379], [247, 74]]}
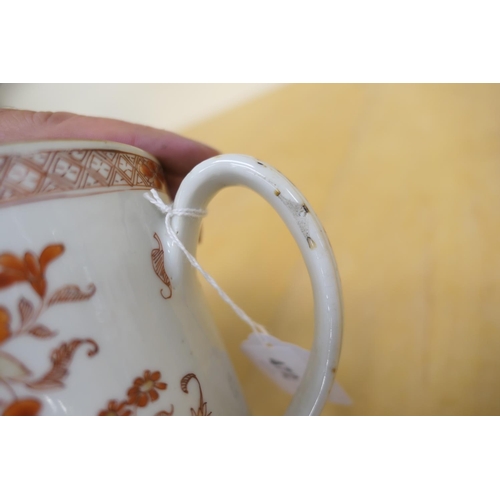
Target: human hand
{"points": [[177, 154]]}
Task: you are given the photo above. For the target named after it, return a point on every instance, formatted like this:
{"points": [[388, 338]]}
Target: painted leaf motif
{"points": [[164, 413], [71, 293], [41, 332], [4, 324], [202, 407], [11, 368], [48, 382], [157, 260], [202, 411], [34, 274], [9, 278], [61, 358], [11, 262], [25, 310], [185, 381], [31, 263], [50, 253], [30, 268], [12, 270]]}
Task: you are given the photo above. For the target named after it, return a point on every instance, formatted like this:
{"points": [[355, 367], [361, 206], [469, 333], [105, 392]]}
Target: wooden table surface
{"points": [[406, 180]]}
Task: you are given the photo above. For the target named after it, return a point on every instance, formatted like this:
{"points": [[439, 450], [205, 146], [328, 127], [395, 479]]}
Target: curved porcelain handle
{"points": [[198, 188]]}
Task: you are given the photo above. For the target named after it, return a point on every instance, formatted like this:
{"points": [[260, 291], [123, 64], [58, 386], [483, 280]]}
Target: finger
{"points": [[173, 183], [178, 155]]}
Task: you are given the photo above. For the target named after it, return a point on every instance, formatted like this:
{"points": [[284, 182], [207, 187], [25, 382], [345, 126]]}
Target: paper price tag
{"points": [[285, 364]]}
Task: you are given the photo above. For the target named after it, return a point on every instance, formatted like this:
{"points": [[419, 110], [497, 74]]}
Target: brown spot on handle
{"points": [[334, 370], [311, 243], [277, 192], [305, 208]]}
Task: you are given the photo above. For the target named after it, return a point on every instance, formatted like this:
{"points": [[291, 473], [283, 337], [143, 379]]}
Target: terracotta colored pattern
{"points": [[144, 390], [157, 256], [29, 270], [56, 174]]}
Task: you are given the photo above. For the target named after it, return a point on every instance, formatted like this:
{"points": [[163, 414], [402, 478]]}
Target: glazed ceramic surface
{"points": [[101, 314]]}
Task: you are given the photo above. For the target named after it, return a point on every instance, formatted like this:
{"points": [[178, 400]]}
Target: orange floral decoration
{"points": [[116, 409], [23, 408], [144, 389], [30, 269]]}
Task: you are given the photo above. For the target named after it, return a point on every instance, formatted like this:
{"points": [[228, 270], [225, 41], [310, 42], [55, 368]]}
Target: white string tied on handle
{"points": [[169, 211]]}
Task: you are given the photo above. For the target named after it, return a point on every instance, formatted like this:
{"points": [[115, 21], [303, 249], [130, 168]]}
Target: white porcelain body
{"points": [[121, 346]]}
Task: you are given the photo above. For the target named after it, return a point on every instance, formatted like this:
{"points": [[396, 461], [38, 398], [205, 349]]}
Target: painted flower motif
{"points": [[116, 409], [152, 172], [29, 268], [23, 408], [144, 389], [4, 324]]}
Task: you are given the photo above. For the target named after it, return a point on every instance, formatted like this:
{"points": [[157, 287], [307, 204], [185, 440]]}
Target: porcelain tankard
{"points": [[102, 314]]}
